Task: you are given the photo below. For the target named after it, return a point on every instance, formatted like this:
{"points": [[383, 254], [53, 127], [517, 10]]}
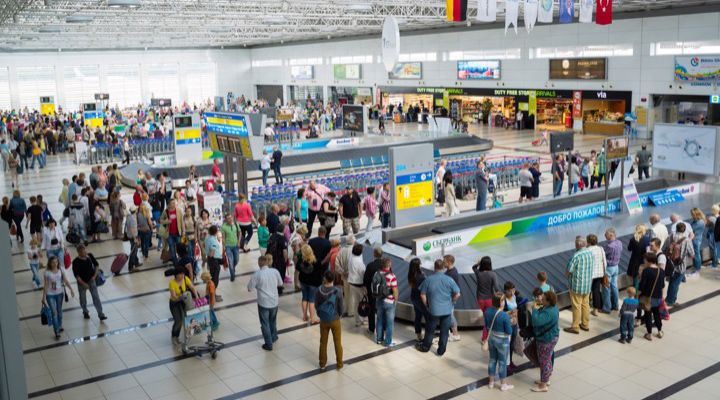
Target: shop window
{"points": [[679, 48]]}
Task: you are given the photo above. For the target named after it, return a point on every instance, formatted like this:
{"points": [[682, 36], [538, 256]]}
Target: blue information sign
{"points": [[414, 178], [227, 124], [665, 198]]}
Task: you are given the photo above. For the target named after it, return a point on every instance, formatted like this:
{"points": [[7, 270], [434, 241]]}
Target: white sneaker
{"points": [[505, 387], [454, 338]]}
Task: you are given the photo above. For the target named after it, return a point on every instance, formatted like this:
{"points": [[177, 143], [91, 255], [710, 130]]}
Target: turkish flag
{"points": [[603, 13]]}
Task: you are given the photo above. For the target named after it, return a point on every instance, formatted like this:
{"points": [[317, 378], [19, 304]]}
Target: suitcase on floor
{"points": [[119, 263]]}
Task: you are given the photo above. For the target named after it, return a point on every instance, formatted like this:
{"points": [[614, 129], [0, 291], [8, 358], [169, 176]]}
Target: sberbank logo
{"points": [[427, 246], [442, 242]]}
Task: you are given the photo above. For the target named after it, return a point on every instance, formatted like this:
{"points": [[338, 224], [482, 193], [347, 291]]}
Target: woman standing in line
{"points": [[201, 230], [416, 277], [697, 224], [498, 323], [190, 224], [487, 286], [245, 219], [117, 213], [637, 247], [310, 280], [54, 293], [545, 317], [652, 283], [450, 200], [301, 207]]}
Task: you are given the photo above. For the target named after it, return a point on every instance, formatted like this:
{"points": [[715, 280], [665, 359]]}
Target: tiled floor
{"points": [[129, 356]]}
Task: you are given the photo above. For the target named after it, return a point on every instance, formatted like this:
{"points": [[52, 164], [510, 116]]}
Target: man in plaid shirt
{"points": [[579, 273]]}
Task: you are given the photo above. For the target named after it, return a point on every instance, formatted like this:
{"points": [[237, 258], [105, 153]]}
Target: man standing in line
{"points": [[438, 292], [385, 290], [525, 180], [643, 159], [558, 173], [602, 167], [342, 268], [267, 281], [598, 272], [613, 251], [276, 164], [350, 211], [372, 267], [579, 273], [85, 268], [481, 183], [659, 230], [265, 166]]}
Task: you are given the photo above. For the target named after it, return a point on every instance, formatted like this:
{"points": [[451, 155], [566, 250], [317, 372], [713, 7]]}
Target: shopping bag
{"points": [[664, 313], [13, 230], [45, 315], [100, 278], [67, 260], [165, 255], [531, 352], [363, 309]]}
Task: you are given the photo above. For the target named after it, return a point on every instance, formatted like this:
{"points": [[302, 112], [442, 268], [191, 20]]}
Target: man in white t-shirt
{"points": [[674, 219], [659, 229], [525, 179]]}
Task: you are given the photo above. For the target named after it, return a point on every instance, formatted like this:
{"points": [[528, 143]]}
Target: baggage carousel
{"points": [[518, 257]]}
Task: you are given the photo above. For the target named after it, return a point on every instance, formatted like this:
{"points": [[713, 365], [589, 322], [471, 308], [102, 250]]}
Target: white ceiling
{"points": [[41, 24]]}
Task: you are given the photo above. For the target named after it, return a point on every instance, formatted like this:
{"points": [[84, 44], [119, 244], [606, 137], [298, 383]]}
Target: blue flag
{"points": [[567, 10]]}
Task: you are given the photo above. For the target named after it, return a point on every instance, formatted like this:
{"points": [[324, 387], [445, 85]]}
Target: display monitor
{"points": [[89, 107], [353, 118], [406, 70], [578, 69], [478, 70], [302, 72], [562, 142], [617, 148], [161, 102], [102, 96], [46, 100], [347, 71], [184, 121], [685, 148]]}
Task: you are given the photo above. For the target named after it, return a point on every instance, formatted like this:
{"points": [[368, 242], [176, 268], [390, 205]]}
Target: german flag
{"points": [[456, 10]]}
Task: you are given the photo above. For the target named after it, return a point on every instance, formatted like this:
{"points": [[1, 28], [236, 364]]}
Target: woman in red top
{"points": [[245, 218]]}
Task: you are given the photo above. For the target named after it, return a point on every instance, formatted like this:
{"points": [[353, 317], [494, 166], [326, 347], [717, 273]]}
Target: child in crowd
{"points": [[627, 316], [33, 255], [449, 262], [542, 282], [263, 234], [210, 295]]}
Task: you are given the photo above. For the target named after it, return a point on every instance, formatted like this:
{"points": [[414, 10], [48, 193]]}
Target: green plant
{"points": [[486, 107]]}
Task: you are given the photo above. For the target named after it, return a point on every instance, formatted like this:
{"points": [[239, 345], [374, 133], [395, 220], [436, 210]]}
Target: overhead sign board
{"points": [[697, 68], [617, 148], [231, 133], [411, 183], [188, 138], [414, 190], [578, 69], [161, 102], [478, 70], [347, 71], [406, 70]]}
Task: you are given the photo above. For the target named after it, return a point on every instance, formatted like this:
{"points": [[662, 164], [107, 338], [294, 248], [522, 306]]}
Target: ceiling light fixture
{"points": [[79, 19], [364, 8], [50, 29], [123, 3]]}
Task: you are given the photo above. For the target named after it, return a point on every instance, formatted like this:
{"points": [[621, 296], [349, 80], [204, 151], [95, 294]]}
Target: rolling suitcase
{"points": [[118, 263]]}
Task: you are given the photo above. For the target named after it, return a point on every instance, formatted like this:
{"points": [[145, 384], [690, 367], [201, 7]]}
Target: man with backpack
{"points": [[278, 249], [385, 291], [438, 292], [677, 249], [329, 306], [370, 271]]}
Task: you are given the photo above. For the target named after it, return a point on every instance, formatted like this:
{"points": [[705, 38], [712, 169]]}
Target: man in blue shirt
{"points": [[438, 292]]}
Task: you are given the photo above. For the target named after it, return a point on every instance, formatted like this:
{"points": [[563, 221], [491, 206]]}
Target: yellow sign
{"points": [[414, 190], [94, 122], [47, 109], [245, 147], [187, 134], [213, 141], [225, 121]]}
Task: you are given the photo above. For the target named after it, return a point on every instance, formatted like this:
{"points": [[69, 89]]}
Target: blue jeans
{"points": [[499, 348], [265, 173], [557, 188], [715, 251], [32, 164], [268, 324], [232, 254], [55, 302], [697, 261], [145, 238], [213, 318], [432, 323], [673, 288], [278, 175], [385, 322], [308, 292], [611, 295], [573, 188], [191, 251], [481, 203], [80, 230], [627, 326], [35, 278], [172, 241], [60, 254]]}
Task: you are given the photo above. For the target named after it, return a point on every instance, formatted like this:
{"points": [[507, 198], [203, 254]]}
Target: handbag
{"points": [[645, 300], [363, 308], [165, 255], [67, 259], [13, 229], [518, 344], [187, 300], [45, 315], [100, 278], [606, 281], [531, 352], [163, 232], [484, 344]]}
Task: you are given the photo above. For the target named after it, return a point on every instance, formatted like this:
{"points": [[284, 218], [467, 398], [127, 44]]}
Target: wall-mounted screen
{"points": [[478, 70], [617, 148], [686, 148], [578, 69], [407, 70], [301, 72], [89, 107], [347, 71]]}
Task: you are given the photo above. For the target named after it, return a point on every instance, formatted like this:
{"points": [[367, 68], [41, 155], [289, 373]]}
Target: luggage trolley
{"points": [[195, 322]]}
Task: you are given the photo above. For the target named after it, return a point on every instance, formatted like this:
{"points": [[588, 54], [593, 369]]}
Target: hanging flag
{"points": [[511, 14], [456, 10], [586, 10], [603, 13], [390, 42], [487, 10], [530, 14], [566, 11], [545, 11]]}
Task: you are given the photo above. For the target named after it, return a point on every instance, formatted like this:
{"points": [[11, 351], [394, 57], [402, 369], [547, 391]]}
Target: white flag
{"points": [[487, 10], [586, 11], [530, 14], [545, 11], [511, 14]]}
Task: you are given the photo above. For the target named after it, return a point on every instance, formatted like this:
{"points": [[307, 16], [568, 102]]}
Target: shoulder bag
{"points": [[645, 300], [485, 343]]}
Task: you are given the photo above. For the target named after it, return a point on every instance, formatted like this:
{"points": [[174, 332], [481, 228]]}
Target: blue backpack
{"points": [[326, 310]]}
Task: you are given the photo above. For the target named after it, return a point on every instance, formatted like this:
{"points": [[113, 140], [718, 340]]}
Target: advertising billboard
{"points": [[578, 69], [686, 148], [407, 70], [302, 72], [697, 68], [617, 147], [478, 70], [346, 71], [354, 118]]}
